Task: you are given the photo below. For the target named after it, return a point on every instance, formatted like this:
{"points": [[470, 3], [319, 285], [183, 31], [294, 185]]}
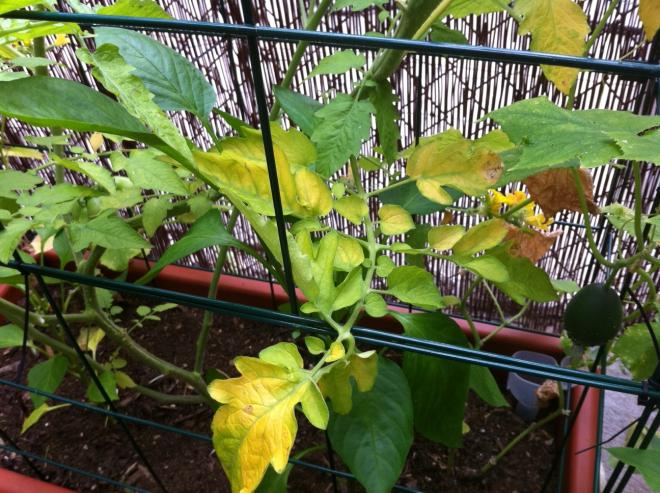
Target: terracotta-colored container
{"points": [[579, 468]]}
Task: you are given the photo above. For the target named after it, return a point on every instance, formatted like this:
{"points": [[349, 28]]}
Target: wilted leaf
{"points": [[90, 338], [556, 26], [554, 190], [530, 243]]}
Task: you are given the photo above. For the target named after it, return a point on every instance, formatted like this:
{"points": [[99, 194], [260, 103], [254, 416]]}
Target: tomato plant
{"points": [[517, 176]]}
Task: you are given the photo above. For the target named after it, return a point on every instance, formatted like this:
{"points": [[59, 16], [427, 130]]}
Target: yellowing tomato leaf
{"points": [[349, 254], [352, 208], [336, 384], [556, 26], [445, 237], [450, 160], [483, 236], [312, 192], [394, 220], [649, 13]]}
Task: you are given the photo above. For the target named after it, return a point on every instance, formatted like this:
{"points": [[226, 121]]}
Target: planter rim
{"points": [[579, 468]]}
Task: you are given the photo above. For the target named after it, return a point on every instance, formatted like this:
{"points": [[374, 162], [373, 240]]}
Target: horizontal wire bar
{"points": [[371, 336], [73, 469], [162, 427], [348, 40]]}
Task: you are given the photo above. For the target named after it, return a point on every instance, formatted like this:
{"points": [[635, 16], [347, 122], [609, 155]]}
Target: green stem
{"points": [[14, 312], [500, 312], [399, 183], [209, 129], [435, 15], [521, 436], [505, 323], [476, 339], [203, 337], [637, 176], [311, 25], [121, 338], [509, 212]]}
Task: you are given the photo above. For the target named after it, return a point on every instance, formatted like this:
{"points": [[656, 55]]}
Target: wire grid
{"points": [[456, 93]]}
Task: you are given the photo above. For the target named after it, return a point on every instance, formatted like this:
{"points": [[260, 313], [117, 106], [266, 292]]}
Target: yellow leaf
{"points": [[394, 220], [556, 26], [36, 415], [445, 237], [483, 236], [349, 254], [10, 151], [124, 380], [256, 426], [282, 354], [352, 208], [313, 193], [89, 339], [450, 160], [96, 141], [337, 352], [299, 150], [336, 383], [649, 13]]}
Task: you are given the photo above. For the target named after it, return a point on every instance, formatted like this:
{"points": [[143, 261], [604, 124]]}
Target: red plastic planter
{"points": [[579, 468], [12, 482]]}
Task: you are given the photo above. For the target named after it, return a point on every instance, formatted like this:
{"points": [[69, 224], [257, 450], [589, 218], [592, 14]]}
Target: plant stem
{"points": [[509, 212], [311, 25], [435, 15], [505, 323], [637, 176], [399, 183], [476, 339], [531, 428], [203, 337], [500, 312], [121, 338]]}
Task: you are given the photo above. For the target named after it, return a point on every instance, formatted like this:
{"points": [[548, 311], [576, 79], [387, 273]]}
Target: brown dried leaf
{"points": [[547, 392], [554, 190], [530, 243]]}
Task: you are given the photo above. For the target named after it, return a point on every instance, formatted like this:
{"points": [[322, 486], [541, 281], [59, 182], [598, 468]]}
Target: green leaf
{"points": [[205, 232], [487, 267], [462, 8], [9, 5], [37, 414], [485, 386], [387, 119], [10, 335], [338, 63], [52, 102], [314, 345], [274, 482], [108, 231], [175, 82], [135, 8], [374, 438], [415, 286], [635, 349], [394, 220], [47, 376], [409, 197], [357, 5], [439, 387], [11, 180], [31, 61], [118, 77], [556, 26], [640, 147], [300, 108], [483, 236], [375, 306], [549, 136], [646, 461], [146, 170], [565, 285], [526, 281], [445, 236], [154, 213], [109, 384], [99, 174], [344, 124], [441, 33], [11, 236]]}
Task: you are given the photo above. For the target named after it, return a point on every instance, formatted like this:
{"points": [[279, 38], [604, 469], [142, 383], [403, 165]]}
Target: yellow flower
{"points": [[495, 201], [539, 221], [61, 40], [515, 198]]}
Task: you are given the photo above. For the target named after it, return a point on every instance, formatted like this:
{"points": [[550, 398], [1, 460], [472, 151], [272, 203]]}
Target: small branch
{"points": [[203, 337], [521, 436]]}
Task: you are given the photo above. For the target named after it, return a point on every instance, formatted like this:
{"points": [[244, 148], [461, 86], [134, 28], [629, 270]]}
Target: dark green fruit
{"points": [[594, 315]]}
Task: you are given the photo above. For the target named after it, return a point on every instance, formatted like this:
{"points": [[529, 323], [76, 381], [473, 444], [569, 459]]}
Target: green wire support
{"points": [[369, 336]]}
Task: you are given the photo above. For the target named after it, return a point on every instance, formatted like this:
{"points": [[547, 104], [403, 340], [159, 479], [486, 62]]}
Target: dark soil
{"points": [[91, 442]]}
